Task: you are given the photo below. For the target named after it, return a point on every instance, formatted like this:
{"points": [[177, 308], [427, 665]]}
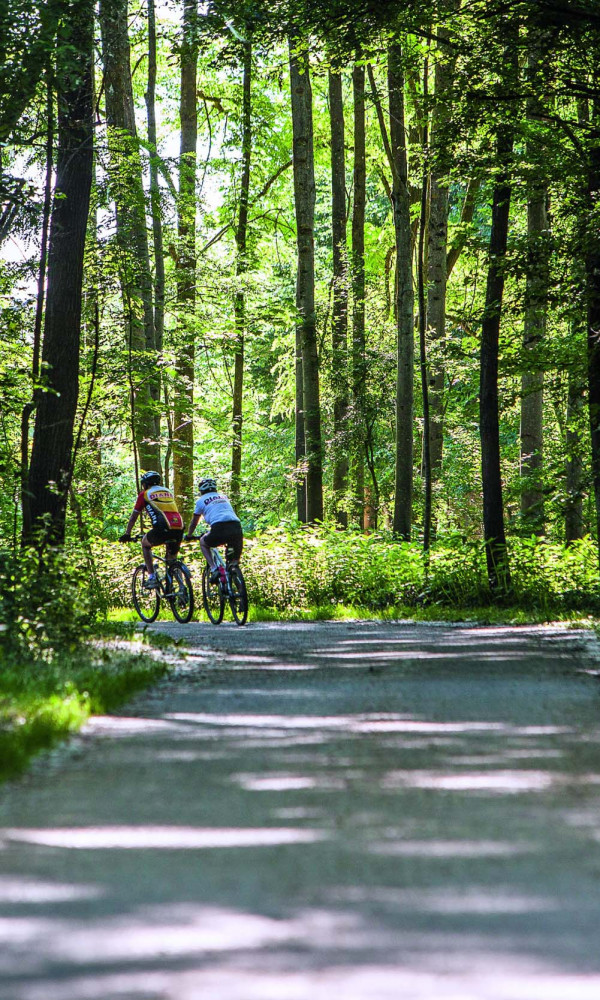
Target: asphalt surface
{"points": [[324, 811]]}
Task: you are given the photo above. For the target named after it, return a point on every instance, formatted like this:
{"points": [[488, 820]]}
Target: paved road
{"points": [[319, 812]]}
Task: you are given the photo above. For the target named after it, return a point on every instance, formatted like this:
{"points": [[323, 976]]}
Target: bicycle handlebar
{"points": [[138, 538]]}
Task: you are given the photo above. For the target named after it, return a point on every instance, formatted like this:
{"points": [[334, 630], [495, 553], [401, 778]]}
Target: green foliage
{"points": [[48, 601], [294, 571], [43, 700]]}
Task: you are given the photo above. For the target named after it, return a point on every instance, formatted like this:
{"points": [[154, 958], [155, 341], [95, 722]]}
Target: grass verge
{"points": [[478, 615], [43, 701]]}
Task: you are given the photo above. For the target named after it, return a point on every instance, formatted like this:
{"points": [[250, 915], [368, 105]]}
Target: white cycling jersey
{"points": [[215, 509]]}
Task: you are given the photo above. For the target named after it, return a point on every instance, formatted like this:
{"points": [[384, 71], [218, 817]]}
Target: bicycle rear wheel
{"points": [[146, 601], [238, 601], [182, 601], [213, 598]]}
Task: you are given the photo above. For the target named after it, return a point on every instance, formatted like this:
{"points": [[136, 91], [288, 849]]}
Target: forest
{"points": [[344, 257]]}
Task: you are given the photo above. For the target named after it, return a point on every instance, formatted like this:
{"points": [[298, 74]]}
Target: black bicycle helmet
{"points": [[150, 479], [207, 485]]}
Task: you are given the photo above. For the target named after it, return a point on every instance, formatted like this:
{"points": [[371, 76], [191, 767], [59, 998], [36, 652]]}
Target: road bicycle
{"points": [[173, 584], [229, 587]]}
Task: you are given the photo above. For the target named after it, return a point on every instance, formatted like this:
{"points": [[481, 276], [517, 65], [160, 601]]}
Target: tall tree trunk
{"points": [[39, 307], [304, 198], [339, 320], [125, 177], [574, 521], [532, 380], [592, 267], [157, 229], [359, 364], [438, 243], [421, 264], [493, 514], [183, 431], [241, 238], [404, 296], [50, 466], [534, 330]]}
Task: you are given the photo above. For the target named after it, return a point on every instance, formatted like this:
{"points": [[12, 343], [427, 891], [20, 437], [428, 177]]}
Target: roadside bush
{"points": [[299, 569], [47, 601]]}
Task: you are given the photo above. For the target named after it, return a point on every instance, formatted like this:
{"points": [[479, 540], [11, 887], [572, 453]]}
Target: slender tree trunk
{"points": [[183, 431], [574, 521], [125, 177], [466, 218], [339, 320], [404, 297], [532, 380], [438, 244], [421, 264], [493, 514], [55, 415], [39, 308], [359, 363], [300, 434], [304, 197], [592, 261], [157, 229], [534, 330], [241, 238]]}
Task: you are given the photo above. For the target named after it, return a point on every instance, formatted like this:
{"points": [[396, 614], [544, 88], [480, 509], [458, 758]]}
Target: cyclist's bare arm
{"points": [[192, 527]]}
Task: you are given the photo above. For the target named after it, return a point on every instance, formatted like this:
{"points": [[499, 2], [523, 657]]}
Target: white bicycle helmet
{"points": [[207, 485]]}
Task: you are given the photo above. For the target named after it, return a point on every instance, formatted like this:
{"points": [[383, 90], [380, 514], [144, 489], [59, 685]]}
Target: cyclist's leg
{"points": [[173, 544], [206, 547], [235, 543], [147, 552]]}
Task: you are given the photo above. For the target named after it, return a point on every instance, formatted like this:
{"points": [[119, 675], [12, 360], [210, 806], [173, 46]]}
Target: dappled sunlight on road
{"points": [[366, 812], [175, 838]]}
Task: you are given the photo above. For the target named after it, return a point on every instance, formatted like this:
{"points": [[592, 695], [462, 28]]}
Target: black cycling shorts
{"points": [[171, 537], [227, 533]]}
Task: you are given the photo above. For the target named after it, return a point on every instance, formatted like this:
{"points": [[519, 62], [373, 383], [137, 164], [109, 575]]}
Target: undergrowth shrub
{"points": [[299, 569], [47, 601]]}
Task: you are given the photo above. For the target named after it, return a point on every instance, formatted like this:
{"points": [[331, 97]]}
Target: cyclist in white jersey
{"points": [[224, 525]]}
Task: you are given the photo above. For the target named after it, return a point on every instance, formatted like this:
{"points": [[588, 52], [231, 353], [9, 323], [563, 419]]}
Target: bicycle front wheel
{"points": [[213, 598], [238, 600], [182, 598], [146, 601]]}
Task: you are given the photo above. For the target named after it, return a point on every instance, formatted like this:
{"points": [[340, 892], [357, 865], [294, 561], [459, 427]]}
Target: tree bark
{"points": [[592, 269], [39, 307], [125, 177], [339, 320], [574, 521], [532, 380], [241, 239], [50, 465], [404, 296], [157, 229], [534, 331], [304, 198], [359, 361], [183, 430], [421, 265], [493, 514], [438, 244]]}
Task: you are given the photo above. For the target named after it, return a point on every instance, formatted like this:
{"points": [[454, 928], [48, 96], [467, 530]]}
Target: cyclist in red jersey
{"points": [[167, 523]]}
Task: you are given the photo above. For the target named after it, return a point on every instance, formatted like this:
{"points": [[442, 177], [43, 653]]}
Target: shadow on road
{"points": [[359, 809]]}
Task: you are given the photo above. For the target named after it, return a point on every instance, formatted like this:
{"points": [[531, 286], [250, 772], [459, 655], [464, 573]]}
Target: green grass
{"points": [[489, 614], [44, 700], [483, 615]]}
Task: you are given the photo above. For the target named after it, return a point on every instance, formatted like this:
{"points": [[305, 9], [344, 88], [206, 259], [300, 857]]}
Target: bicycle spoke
{"points": [[146, 600]]}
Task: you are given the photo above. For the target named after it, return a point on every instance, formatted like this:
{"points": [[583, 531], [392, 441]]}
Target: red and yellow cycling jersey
{"points": [[159, 504]]}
